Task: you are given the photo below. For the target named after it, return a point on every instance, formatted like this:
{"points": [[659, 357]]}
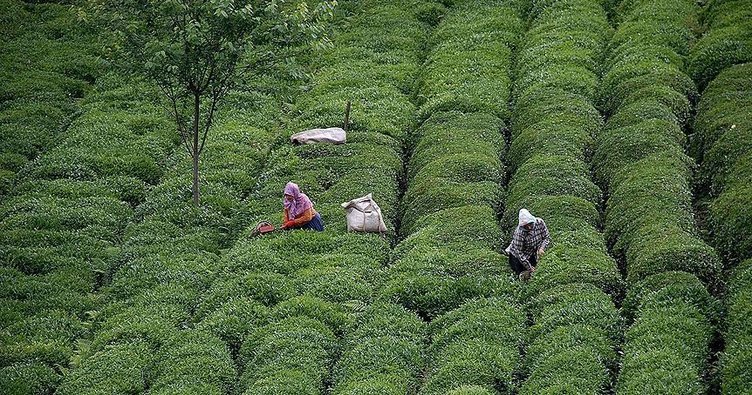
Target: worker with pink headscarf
{"points": [[299, 212], [529, 242]]}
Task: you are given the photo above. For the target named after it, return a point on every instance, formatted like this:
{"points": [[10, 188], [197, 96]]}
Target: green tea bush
{"points": [[396, 41], [573, 140], [337, 283], [386, 359], [446, 133], [639, 156], [553, 109], [45, 338], [722, 128], [571, 263], [668, 288], [65, 290], [659, 371], [646, 138], [36, 120], [553, 175], [28, 378], [735, 376], [573, 371], [361, 65], [333, 315], [657, 235], [311, 245], [494, 319], [569, 31], [452, 80], [383, 354], [13, 16], [574, 304], [721, 108], [722, 13], [668, 340], [475, 344], [100, 145], [578, 337], [669, 31], [625, 81], [639, 111], [665, 247], [561, 51], [471, 363], [187, 388], [678, 103], [729, 221], [127, 189], [154, 237], [471, 390], [555, 122], [172, 302], [476, 22], [365, 155], [727, 41], [121, 324], [471, 224], [431, 195], [677, 327], [388, 319], [84, 215], [432, 280], [660, 181], [444, 170], [170, 202], [122, 368], [266, 288], [716, 170], [297, 343], [234, 320], [378, 109], [167, 261], [43, 74], [138, 275], [44, 251], [462, 168], [285, 381], [573, 79], [569, 297], [194, 358]]}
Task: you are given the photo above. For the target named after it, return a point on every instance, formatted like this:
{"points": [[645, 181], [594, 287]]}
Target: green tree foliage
{"points": [[196, 50]]}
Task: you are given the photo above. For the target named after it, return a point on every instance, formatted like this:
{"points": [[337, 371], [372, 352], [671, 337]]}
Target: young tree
{"points": [[196, 50]]}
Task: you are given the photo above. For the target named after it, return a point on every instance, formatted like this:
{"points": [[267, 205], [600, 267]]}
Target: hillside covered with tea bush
{"points": [[625, 125]]}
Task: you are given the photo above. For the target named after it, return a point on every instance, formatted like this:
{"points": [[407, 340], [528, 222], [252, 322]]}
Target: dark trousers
{"points": [[314, 224], [517, 265]]}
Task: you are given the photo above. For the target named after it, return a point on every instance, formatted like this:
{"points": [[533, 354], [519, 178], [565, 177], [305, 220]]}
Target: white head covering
{"points": [[525, 217]]}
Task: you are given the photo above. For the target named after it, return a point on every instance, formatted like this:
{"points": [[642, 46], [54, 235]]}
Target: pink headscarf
{"points": [[300, 202]]}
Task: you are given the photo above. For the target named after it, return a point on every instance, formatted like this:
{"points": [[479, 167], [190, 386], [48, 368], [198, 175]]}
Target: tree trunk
{"points": [[196, 194]]}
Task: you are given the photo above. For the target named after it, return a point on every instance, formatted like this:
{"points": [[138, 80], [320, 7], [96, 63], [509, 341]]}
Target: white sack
{"points": [[313, 136], [364, 215]]}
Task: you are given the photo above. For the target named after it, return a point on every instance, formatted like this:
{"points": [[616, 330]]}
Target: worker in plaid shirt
{"points": [[529, 243]]}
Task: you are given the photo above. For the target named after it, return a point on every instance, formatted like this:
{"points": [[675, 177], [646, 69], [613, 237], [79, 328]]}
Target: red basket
{"points": [[263, 227]]}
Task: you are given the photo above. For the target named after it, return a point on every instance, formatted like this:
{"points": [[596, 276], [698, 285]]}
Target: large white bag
{"points": [[364, 215], [313, 136]]}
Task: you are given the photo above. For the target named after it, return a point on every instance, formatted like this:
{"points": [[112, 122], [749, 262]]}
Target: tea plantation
{"points": [[625, 125]]}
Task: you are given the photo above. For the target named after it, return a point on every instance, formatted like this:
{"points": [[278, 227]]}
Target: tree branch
{"points": [[184, 136]]}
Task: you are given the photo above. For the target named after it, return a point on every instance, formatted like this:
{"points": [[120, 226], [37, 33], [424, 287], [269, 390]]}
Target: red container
{"points": [[263, 227]]}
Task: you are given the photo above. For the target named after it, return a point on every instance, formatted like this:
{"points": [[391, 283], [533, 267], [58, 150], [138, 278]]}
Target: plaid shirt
{"points": [[525, 242]]}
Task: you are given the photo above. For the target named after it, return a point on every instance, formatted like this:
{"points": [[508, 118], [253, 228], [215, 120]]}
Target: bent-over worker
{"points": [[529, 243], [299, 212]]}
